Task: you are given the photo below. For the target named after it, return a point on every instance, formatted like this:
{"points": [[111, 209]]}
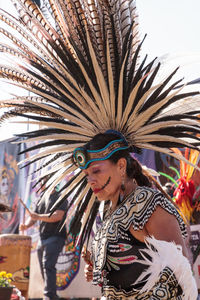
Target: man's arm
{"points": [[29, 222], [55, 217]]}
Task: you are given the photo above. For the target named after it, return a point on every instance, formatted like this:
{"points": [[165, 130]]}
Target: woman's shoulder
{"points": [[152, 190], [146, 201], [144, 194], [136, 208], [143, 198]]}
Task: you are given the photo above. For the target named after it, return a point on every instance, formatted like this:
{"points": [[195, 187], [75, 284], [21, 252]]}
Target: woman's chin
{"points": [[101, 197]]}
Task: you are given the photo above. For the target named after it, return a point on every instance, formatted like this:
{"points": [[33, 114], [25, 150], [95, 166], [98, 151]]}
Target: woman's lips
{"points": [[96, 191]]}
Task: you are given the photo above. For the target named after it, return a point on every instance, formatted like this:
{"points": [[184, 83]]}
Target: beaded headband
{"points": [[83, 157]]}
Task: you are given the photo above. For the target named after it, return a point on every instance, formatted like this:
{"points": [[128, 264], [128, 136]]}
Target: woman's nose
{"points": [[90, 179]]}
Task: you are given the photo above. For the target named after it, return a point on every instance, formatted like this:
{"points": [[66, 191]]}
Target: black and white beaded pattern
{"points": [[166, 288], [135, 210]]}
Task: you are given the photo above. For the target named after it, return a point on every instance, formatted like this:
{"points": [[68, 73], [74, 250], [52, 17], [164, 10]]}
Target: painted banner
{"points": [[195, 247], [69, 259], [11, 185]]}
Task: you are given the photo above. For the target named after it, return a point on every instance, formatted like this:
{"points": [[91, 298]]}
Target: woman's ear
{"points": [[122, 165]]}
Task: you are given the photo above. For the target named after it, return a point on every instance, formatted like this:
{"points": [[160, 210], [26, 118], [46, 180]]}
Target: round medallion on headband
{"points": [[80, 157]]}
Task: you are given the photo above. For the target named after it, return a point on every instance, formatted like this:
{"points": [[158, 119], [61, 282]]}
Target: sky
{"points": [[172, 28]]}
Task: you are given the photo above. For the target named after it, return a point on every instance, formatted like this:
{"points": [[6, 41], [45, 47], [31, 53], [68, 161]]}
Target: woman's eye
{"points": [[96, 171]]}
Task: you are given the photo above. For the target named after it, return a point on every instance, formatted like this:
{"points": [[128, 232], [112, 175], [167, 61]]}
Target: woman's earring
{"points": [[123, 185]]}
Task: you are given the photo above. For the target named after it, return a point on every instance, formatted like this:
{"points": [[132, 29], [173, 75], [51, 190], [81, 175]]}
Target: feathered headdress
{"points": [[82, 68]]}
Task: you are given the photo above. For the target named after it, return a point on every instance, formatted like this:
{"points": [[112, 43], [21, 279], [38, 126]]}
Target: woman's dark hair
{"points": [[169, 188], [133, 169]]}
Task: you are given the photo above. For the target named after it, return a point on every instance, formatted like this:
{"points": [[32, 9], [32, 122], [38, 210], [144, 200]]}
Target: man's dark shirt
{"points": [[51, 229]]}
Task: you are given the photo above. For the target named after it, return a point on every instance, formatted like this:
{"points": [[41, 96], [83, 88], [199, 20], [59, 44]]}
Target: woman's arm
{"points": [[168, 267], [164, 226], [88, 270]]}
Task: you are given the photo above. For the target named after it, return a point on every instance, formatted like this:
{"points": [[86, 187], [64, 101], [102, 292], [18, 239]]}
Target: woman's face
{"points": [[104, 177], [4, 187]]}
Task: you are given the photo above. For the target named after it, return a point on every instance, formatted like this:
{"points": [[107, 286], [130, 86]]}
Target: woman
{"points": [[6, 177], [87, 76], [4, 187], [122, 247]]}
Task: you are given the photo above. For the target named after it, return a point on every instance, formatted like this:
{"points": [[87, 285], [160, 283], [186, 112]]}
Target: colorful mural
{"points": [[10, 187], [69, 259]]}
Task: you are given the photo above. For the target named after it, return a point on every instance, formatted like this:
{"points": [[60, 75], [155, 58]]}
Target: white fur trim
{"points": [[170, 255]]}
